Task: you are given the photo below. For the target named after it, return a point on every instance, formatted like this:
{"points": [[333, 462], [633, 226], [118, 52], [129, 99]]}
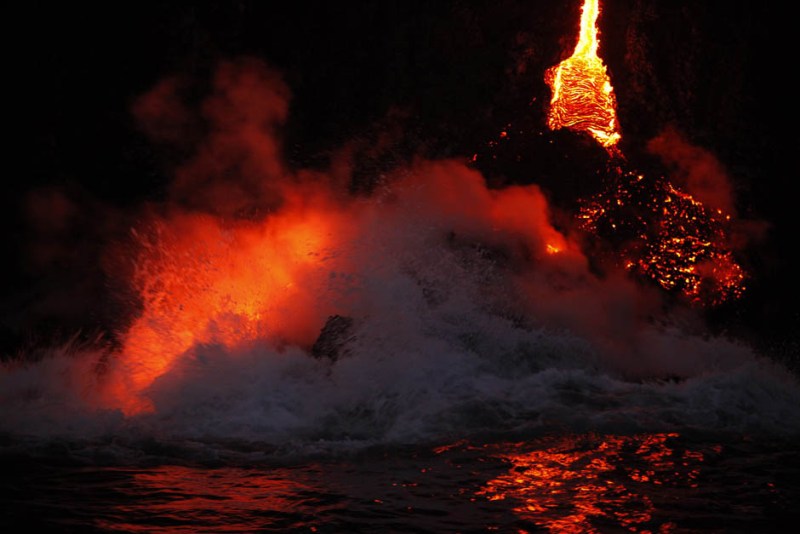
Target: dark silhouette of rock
{"points": [[334, 336]]}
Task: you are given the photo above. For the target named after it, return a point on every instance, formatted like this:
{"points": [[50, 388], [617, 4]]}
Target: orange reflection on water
{"points": [[178, 499], [584, 486]]}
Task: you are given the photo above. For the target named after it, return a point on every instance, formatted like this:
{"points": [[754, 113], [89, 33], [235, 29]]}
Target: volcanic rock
{"points": [[333, 338]]}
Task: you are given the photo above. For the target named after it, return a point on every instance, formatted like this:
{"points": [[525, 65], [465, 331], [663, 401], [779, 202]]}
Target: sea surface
{"points": [[653, 482]]}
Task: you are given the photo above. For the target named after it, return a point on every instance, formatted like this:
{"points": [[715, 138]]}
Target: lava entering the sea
{"points": [[247, 250], [657, 229]]}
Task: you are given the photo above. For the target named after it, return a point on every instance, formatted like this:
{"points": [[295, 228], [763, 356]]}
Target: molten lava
{"points": [[668, 236], [583, 98], [658, 230]]}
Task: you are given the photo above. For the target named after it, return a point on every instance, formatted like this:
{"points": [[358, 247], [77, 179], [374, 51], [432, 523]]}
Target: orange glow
{"points": [[573, 486], [663, 233], [583, 98], [205, 281], [525, 211], [241, 499], [668, 236]]}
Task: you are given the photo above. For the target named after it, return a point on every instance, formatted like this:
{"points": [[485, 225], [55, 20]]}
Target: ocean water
{"points": [[654, 482]]}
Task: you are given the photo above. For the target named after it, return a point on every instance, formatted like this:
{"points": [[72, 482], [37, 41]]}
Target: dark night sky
{"points": [[449, 74]]}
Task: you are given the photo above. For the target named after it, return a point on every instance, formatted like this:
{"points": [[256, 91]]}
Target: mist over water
{"points": [[450, 340]]}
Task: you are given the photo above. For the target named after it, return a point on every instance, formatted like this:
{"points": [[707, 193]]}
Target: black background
{"points": [[443, 77]]}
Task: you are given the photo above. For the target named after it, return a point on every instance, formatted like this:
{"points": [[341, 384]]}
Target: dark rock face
{"points": [[333, 338]]}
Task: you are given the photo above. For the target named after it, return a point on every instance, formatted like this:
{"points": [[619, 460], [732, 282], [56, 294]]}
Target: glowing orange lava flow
{"points": [[659, 231], [583, 98]]}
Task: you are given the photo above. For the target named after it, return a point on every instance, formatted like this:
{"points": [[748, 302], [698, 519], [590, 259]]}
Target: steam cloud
{"points": [[237, 271]]}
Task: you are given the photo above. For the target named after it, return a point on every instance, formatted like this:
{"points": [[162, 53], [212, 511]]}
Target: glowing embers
{"points": [[661, 232], [668, 236], [583, 98], [600, 484]]}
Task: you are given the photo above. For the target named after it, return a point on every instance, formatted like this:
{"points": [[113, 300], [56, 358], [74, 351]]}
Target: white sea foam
{"points": [[420, 372]]}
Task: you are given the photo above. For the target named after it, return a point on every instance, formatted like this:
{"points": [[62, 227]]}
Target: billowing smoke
{"points": [[66, 232], [695, 170], [698, 172]]}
